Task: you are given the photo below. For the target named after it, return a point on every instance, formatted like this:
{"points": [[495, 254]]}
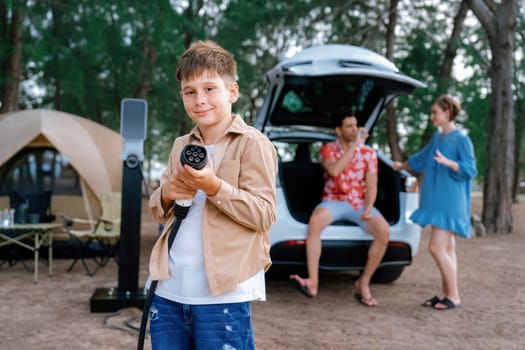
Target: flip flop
{"points": [[364, 301], [449, 304], [431, 302], [301, 288]]}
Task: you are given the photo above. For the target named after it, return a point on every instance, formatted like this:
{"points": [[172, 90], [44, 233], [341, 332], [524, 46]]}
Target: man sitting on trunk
{"points": [[349, 194]]}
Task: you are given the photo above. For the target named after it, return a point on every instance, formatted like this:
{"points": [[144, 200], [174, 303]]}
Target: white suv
{"points": [[305, 94]]}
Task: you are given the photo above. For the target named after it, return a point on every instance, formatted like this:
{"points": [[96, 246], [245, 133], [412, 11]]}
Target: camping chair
{"points": [[100, 239]]}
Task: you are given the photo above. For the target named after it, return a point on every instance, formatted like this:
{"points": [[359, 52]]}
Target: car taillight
{"points": [[411, 184], [295, 242], [397, 244]]}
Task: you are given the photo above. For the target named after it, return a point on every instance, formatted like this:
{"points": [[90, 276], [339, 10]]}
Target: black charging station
{"points": [[133, 123]]}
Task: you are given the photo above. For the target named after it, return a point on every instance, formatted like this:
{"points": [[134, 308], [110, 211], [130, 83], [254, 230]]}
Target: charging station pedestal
{"points": [[133, 121]]}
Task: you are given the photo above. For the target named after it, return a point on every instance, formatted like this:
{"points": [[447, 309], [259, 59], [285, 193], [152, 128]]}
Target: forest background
{"points": [[84, 56]]}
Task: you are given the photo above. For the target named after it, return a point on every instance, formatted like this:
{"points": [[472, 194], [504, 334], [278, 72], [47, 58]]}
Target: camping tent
{"points": [[92, 149]]}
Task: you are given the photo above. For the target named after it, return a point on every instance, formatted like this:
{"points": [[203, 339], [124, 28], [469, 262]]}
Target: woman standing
{"points": [[448, 164]]}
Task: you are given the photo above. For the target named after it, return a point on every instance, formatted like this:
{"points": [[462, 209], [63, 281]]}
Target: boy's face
{"points": [[208, 98]]}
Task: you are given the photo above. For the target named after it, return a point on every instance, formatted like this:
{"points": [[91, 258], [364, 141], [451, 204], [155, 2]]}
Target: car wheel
{"points": [[387, 274]]}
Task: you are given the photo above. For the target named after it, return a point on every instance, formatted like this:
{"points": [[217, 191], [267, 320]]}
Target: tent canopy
{"points": [[92, 149]]}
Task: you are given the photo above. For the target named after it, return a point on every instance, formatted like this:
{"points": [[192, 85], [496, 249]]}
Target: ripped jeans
{"points": [[175, 326]]}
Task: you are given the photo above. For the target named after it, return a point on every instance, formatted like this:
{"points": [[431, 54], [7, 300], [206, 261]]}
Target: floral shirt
{"points": [[350, 185]]}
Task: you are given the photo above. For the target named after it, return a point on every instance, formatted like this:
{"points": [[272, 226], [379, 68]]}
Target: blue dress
{"points": [[445, 194]]}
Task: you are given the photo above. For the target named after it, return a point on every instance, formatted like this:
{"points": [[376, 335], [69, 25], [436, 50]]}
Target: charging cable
{"points": [[196, 157]]}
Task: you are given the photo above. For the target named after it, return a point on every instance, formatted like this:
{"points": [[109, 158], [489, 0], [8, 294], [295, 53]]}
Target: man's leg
{"points": [[320, 218], [379, 228]]}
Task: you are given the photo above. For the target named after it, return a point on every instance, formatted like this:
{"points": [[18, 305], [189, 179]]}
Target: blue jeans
{"points": [[175, 326]]}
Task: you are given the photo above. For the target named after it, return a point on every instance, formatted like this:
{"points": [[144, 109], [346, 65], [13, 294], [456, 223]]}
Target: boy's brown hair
{"points": [[206, 56]]}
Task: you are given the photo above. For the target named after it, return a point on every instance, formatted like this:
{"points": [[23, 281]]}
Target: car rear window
{"points": [[317, 101]]}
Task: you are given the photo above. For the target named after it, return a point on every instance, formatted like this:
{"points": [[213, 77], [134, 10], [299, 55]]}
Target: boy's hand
{"points": [[204, 179], [174, 189]]}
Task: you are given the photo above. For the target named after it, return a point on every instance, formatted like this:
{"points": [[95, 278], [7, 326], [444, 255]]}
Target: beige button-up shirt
{"points": [[236, 220]]}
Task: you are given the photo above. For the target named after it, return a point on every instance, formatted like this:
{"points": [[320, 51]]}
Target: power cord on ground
{"points": [[128, 323]]}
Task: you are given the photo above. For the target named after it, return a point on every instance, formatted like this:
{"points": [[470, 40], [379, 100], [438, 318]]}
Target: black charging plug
{"points": [[194, 156]]}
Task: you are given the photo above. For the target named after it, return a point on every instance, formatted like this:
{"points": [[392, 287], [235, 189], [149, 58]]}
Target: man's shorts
{"points": [[344, 211]]}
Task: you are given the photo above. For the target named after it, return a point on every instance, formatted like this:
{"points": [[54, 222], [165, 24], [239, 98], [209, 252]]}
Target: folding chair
{"points": [[100, 239]]}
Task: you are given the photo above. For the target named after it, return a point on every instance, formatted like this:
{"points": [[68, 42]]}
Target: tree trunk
{"points": [[391, 121], [190, 17], [150, 53], [452, 48], [448, 61], [143, 90], [517, 157], [500, 26], [57, 98], [13, 66], [497, 214]]}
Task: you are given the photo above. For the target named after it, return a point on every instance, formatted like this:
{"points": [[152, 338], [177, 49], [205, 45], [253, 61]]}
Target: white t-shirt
{"points": [[187, 283]]}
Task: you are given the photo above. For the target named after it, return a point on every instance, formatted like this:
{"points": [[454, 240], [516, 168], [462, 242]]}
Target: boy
{"points": [[216, 264]]}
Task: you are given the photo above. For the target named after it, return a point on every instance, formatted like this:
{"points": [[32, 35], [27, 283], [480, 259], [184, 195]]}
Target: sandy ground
{"points": [[55, 313]]}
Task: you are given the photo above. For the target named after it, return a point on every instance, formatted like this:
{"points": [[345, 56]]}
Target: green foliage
{"points": [[85, 56]]}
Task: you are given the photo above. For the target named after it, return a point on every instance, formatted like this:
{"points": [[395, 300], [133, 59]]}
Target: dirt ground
{"points": [[55, 313]]}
